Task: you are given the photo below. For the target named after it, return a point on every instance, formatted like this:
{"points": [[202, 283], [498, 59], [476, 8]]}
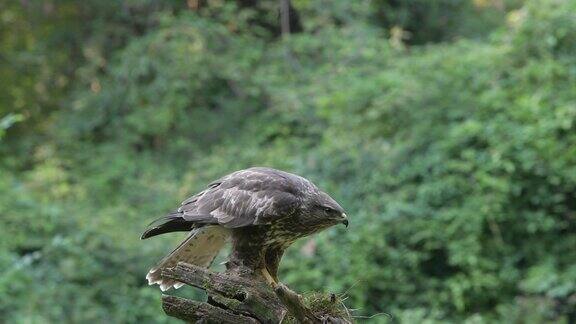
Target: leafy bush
{"points": [[455, 161]]}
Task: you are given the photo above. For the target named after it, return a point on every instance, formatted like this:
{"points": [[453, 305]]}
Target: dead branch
{"points": [[234, 298]]}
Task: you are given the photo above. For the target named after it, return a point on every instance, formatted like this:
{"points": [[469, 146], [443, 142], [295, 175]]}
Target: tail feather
{"points": [[170, 223], [199, 248]]}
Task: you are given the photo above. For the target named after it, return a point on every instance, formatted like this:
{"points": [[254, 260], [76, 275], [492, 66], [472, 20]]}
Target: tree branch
{"points": [[234, 297], [193, 311]]}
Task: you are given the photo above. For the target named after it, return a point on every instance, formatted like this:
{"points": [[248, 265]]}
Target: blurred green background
{"points": [[445, 128]]}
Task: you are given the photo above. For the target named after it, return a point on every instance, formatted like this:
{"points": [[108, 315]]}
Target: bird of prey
{"points": [[261, 211]]}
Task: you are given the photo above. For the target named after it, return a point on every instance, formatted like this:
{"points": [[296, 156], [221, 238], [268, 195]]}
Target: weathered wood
{"points": [[205, 279], [198, 312], [234, 298], [238, 294]]}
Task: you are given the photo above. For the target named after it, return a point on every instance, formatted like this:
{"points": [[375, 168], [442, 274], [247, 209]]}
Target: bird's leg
{"points": [[268, 277], [272, 259]]}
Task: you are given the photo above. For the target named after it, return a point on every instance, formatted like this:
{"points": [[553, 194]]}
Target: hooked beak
{"points": [[345, 220]]}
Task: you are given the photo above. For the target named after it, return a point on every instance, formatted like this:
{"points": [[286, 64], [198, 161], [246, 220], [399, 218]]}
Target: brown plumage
{"points": [[260, 210]]}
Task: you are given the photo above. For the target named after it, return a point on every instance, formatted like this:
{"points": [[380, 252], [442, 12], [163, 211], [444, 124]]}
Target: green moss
{"points": [[322, 304]]}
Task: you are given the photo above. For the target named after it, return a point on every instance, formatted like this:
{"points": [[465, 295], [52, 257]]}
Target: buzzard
{"points": [[260, 210]]}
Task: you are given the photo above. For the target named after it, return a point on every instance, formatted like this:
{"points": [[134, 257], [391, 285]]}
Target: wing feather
{"points": [[246, 197]]}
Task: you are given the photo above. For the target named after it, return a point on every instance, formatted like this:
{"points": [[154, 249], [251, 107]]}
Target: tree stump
{"points": [[234, 298]]}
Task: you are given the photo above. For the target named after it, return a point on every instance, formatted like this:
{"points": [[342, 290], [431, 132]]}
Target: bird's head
{"points": [[322, 211]]}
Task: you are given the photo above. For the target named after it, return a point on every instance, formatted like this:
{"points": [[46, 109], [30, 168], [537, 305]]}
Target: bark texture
{"points": [[234, 298]]}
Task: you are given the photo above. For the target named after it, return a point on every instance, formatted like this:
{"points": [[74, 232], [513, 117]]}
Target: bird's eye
{"points": [[327, 209]]}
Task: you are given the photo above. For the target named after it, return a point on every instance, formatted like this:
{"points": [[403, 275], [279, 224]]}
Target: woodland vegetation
{"points": [[446, 129]]}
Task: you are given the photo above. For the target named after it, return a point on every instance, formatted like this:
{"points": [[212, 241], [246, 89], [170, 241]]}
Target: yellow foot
{"points": [[268, 277]]}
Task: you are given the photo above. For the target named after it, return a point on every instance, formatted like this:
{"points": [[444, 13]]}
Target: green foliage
{"points": [[456, 161], [441, 20]]}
